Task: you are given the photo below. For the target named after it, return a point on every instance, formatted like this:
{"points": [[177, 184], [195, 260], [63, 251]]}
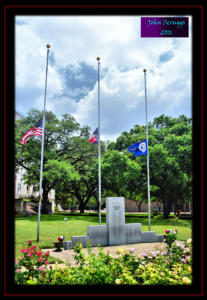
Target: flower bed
{"points": [[156, 267]]}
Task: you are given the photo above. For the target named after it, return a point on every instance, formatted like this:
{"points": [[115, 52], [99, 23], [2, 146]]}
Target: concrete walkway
{"points": [[67, 256]]}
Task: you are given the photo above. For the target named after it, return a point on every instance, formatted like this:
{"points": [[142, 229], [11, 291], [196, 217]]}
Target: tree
{"points": [[58, 174], [118, 172], [85, 162], [59, 144], [165, 174], [170, 152], [171, 161]]}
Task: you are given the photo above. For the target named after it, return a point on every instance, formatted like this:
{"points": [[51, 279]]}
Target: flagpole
{"points": [[42, 149], [148, 177], [99, 141]]}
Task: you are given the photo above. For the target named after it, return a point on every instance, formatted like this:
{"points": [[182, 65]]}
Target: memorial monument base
{"points": [[115, 232]]}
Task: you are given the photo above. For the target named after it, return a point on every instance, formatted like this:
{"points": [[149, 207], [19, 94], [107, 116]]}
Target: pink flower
{"points": [[183, 260], [18, 270], [39, 259], [153, 254], [15, 261], [30, 255], [165, 261], [42, 268], [47, 262], [22, 250], [29, 242], [132, 250]]}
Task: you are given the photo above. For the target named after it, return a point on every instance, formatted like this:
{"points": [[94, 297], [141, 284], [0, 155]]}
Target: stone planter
{"points": [[58, 246]]}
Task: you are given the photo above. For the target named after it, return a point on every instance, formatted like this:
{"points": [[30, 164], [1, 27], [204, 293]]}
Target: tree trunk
{"points": [[175, 206], [81, 206], [139, 205], [159, 207], [166, 207], [166, 210], [44, 209]]}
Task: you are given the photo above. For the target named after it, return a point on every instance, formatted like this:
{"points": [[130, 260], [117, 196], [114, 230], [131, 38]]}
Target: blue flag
{"points": [[139, 148]]}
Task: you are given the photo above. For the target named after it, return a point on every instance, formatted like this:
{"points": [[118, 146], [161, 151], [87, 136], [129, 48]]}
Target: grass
{"points": [[52, 226]]}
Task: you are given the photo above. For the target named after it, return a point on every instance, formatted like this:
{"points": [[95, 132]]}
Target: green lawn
{"points": [[52, 226]]}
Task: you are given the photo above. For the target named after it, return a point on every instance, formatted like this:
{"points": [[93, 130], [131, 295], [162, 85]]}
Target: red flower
{"points": [[33, 247]]}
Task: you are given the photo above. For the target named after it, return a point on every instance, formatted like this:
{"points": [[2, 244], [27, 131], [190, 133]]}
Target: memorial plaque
{"points": [[115, 219]]}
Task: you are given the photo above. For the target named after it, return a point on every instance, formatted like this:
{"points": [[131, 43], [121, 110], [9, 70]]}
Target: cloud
{"points": [[76, 41], [123, 100]]}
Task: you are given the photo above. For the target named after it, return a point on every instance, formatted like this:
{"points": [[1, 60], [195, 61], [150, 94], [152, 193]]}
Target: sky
{"points": [[72, 82]]}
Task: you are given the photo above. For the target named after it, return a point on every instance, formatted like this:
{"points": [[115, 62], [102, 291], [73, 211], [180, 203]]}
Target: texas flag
{"points": [[94, 137]]}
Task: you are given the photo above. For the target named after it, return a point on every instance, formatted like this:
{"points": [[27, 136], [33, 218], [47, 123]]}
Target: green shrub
{"points": [[170, 236], [127, 268], [158, 217]]}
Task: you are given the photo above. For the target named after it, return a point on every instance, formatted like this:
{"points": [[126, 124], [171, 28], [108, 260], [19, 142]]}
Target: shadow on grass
{"points": [[60, 218], [95, 219], [164, 222]]}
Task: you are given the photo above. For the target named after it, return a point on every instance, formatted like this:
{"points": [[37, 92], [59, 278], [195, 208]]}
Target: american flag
{"points": [[35, 130]]}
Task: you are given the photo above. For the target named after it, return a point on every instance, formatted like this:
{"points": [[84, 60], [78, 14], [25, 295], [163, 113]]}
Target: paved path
{"points": [[67, 255]]}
